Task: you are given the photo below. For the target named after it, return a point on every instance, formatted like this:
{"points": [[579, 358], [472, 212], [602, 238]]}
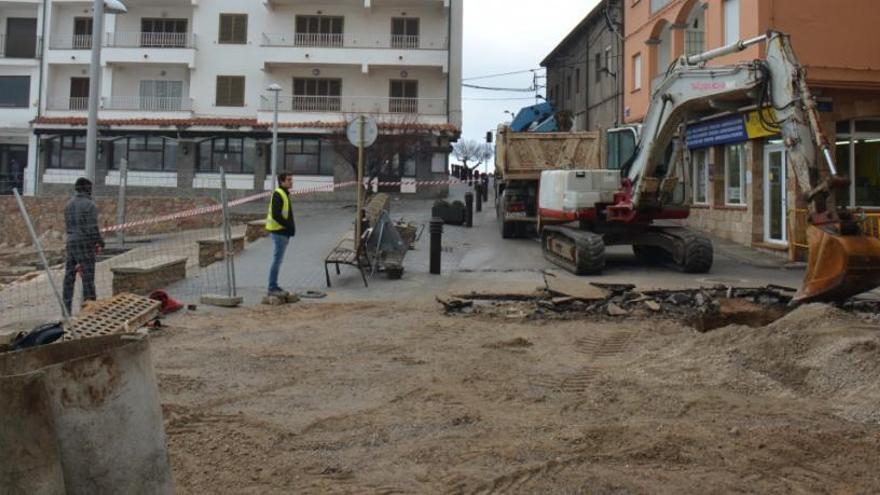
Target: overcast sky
{"points": [[505, 36]]}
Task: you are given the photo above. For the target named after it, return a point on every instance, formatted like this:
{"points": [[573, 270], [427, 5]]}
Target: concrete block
{"points": [[255, 230], [211, 250], [222, 301]]}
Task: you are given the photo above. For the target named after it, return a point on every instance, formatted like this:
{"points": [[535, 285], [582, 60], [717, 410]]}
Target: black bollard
{"points": [[485, 188], [436, 243], [478, 190], [469, 209]]}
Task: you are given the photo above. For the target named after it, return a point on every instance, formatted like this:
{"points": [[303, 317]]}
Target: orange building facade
{"points": [[743, 191]]}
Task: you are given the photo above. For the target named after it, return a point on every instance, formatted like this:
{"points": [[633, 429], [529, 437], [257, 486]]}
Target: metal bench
{"points": [[347, 253], [144, 276]]}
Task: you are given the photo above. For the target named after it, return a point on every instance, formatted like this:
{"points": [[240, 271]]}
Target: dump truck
{"points": [[521, 154]]}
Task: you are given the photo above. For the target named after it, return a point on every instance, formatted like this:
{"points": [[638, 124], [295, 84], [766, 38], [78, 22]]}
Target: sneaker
{"points": [[279, 292]]}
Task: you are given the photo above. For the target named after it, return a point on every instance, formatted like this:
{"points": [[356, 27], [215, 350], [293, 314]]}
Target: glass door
{"points": [[775, 195]]}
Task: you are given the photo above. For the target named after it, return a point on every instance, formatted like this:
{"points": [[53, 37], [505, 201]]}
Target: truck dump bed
{"points": [[524, 155]]}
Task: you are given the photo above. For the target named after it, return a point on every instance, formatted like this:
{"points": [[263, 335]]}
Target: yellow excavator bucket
{"points": [[839, 266]]}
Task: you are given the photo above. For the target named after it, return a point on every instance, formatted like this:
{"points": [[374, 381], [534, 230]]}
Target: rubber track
{"points": [[590, 251], [697, 249]]}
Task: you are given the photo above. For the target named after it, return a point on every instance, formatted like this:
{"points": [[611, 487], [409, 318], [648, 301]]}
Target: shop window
{"points": [[858, 156], [146, 153], [67, 152], [305, 156], [735, 192], [406, 166], [700, 161], [234, 155]]}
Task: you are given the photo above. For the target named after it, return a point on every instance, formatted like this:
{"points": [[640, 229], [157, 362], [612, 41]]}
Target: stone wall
{"points": [[47, 215]]}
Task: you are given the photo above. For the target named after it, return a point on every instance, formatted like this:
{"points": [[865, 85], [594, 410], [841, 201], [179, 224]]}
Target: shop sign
{"points": [[724, 130]]}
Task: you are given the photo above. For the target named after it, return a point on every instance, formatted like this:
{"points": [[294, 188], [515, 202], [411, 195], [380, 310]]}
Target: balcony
{"points": [[432, 110], [127, 48], [73, 104], [19, 49], [147, 103], [352, 41]]}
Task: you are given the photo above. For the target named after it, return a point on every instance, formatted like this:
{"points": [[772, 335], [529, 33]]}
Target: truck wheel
{"points": [[650, 255], [698, 254], [508, 230]]}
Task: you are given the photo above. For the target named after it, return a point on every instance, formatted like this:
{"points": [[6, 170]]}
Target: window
{"points": [[404, 97], [694, 35], [305, 156], [21, 37], [15, 91], [161, 95], [731, 21], [233, 29], [656, 5], [637, 72], [858, 156], [597, 62], [406, 167], [607, 59], [146, 153], [82, 33], [163, 33], [317, 95], [438, 163], [404, 32], [621, 146], [235, 155], [319, 30], [230, 91], [735, 192], [577, 81], [699, 159], [568, 87], [66, 152]]}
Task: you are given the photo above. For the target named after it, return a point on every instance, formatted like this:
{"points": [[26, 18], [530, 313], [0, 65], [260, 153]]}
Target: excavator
{"points": [[620, 204]]}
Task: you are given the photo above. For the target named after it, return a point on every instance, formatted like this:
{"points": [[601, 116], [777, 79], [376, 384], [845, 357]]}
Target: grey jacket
{"points": [[81, 221]]}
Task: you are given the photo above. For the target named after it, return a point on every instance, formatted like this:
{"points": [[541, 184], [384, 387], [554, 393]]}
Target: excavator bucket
{"points": [[839, 266]]}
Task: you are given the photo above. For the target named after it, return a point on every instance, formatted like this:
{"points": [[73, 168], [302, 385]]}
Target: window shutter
{"points": [[225, 28], [240, 29], [237, 90], [222, 91]]}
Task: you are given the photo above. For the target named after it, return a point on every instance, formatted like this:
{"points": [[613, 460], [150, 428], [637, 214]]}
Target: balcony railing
{"points": [[72, 103], [147, 103], [150, 40], [20, 47], [351, 104], [71, 42], [125, 40], [352, 41]]}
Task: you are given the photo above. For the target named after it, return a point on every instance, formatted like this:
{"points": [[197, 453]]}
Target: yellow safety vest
{"points": [[271, 224]]}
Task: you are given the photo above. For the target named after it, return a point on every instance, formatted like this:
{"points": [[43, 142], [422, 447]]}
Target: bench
{"points": [[144, 276], [256, 229], [346, 253], [212, 250]]}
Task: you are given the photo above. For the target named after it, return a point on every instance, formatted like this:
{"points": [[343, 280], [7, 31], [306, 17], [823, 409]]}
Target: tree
{"points": [[471, 151]]}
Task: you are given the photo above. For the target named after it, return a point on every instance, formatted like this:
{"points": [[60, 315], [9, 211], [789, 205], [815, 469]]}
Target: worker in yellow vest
{"points": [[281, 227]]}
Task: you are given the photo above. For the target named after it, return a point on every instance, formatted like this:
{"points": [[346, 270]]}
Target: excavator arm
{"points": [[842, 261]]}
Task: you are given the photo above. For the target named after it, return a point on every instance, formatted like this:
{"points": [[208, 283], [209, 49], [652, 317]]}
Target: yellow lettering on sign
{"points": [[755, 129]]}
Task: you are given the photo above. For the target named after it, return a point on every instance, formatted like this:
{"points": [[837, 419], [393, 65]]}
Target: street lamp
{"points": [[275, 88], [100, 6]]}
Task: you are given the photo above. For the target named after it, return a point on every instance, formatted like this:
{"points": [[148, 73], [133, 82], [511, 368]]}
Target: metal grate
{"points": [[121, 313]]}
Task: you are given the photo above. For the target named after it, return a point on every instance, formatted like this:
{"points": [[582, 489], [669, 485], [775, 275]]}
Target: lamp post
{"points": [[276, 89], [100, 6]]}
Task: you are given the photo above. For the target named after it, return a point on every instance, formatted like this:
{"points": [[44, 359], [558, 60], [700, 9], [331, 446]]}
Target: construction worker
{"points": [[83, 242], [281, 227]]}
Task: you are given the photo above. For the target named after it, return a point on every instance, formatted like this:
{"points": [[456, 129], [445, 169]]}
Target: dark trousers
{"points": [[84, 256]]}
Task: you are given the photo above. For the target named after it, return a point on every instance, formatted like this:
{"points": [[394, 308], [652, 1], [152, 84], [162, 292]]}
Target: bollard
{"points": [[478, 190], [436, 240], [469, 209], [485, 188]]}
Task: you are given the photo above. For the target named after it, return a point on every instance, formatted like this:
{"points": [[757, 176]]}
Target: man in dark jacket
{"points": [[281, 227], [83, 241]]}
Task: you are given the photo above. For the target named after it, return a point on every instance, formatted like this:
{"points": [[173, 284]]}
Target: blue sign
{"points": [[724, 130]]}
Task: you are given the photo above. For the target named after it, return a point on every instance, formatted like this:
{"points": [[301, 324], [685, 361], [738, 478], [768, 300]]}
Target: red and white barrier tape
{"points": [[265, 194]]}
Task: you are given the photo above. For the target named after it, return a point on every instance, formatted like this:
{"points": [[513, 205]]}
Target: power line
{"points": [[488, 88], [501, 74]]}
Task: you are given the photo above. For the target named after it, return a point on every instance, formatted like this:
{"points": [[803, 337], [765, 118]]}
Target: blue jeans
{"points": [[279, 243]]}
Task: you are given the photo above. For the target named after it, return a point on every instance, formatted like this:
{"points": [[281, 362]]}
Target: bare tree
{"points": [[472, 153]]}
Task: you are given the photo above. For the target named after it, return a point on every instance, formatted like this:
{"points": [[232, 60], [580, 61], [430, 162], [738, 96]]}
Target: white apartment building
{"points": [[184, 90]]}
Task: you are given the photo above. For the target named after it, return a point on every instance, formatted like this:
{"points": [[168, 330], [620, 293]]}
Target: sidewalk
{"points": [[751, 256]]}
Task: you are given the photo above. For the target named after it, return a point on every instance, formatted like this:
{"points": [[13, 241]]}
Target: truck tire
{"points": [[590, 254], [698, 254], [650, 255]]}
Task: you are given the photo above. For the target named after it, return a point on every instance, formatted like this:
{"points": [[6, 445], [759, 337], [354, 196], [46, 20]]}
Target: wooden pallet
{"points": [[121, 313]]}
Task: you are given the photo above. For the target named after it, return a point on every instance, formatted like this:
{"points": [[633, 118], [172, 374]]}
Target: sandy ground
{"points": [[397, 397]]}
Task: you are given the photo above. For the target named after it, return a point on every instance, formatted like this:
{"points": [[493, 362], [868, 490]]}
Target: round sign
{"points": [[371, 131]]}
